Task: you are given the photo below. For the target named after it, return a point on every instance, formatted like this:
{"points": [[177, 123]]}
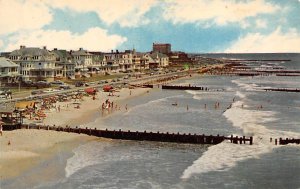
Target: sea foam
{"points": [[225, 155]]}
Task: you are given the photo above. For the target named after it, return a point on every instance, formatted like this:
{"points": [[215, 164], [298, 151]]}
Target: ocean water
{"points": [[135, 164]]}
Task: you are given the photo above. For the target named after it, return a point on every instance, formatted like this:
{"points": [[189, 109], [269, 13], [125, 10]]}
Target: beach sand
{"points": [[28, 148], [89, 108], [33, 149]]}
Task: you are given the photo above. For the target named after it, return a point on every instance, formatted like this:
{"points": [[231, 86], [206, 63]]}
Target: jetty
{"points": [[144, 136], [283, 89], [286, 141], [179, 87]]}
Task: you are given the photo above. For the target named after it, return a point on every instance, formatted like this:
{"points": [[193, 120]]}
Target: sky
{"points": [[199, 26]]}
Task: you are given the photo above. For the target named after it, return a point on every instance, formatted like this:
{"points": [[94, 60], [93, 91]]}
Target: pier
{"points": [[145, 136]]}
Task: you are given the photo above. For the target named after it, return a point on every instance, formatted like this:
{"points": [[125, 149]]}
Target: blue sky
{"points": [[189, 25]]}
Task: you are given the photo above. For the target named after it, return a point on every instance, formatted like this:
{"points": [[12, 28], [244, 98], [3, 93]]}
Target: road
{"points": [[27, 94]]}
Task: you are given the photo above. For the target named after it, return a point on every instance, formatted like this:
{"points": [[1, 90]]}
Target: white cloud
{"points": [[129, 13], [95, 39], [276, 41], [23, 15], [261, 23], [220, 12]]}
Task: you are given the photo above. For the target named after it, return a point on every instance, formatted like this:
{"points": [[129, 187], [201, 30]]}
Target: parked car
{"points": [[101, 82], [5, 92], [42, 84], [37, 92], [57, 82], [64, 87], [79, 84], [2, 97]]}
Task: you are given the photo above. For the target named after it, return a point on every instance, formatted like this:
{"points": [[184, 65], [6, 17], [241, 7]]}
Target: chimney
{"points": [[112, 51], [80, 48], [45, 47], [22, 47], [117, 51], [55, 49]]}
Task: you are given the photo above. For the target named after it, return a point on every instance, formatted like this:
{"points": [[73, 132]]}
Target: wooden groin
{"points": [[288, 75], [147, 85], [189, 87], [282, 89], [146, 136], [286, 141]]}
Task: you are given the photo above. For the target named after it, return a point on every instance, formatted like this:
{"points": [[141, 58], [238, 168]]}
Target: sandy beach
{"points": [[89, 108], [22, 150]]}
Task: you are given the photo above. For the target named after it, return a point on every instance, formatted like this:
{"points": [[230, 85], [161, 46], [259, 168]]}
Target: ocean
{"points": [[140, 164]]}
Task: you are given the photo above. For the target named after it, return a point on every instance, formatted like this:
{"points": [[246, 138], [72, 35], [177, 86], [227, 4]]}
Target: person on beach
{"points": [[187, 107], [126, 107]]}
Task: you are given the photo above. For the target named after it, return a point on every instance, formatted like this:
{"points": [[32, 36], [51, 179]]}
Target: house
{"points": [[83, 60], [9, 71], [99, 65], [64, 60], [159, 60], [35, 63], [119, 61]]}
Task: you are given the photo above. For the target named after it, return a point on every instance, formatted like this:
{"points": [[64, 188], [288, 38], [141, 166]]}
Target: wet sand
{"points": [[38, 155]]}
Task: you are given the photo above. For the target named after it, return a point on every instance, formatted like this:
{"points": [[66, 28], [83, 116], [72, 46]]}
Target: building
{"points": [[83, 61], [120, 61], [35, 64], [99, 63], [164, 48], [160, 59], [180, 59], [64, 60], [9, 71]]}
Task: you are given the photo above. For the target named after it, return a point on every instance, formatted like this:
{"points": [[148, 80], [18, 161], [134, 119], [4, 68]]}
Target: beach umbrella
{"points": [[90, 91], [107, 88]]}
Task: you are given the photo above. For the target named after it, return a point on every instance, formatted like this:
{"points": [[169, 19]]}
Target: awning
{"points": [[25, 104]]}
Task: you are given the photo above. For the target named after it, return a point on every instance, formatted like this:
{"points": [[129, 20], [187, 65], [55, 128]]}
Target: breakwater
{"points": [[283, 89], [285, 141], [189, 87], [146, 136]]}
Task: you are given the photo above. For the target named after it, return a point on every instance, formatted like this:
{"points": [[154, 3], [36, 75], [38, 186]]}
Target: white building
{"points": [[83, 60], [9, 71], [35, 63]]}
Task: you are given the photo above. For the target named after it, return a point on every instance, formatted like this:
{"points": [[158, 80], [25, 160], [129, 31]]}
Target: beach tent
{"points": [[90, 91], [107, 88], [25, 104]]}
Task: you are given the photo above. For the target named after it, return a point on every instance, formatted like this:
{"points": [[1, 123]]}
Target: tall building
{"points": [[164, 48]]}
